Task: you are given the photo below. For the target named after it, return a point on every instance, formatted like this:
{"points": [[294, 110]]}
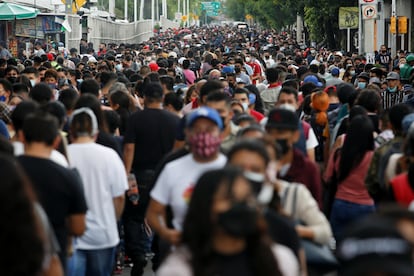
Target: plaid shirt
{"points": [[389, 99], [5, 113]]}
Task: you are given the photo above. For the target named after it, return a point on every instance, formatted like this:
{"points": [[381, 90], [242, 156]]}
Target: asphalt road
{"points": [[147, 272]]}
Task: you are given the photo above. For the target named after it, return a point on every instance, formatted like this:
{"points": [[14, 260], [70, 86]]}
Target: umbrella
{"points": [[9, 11]]}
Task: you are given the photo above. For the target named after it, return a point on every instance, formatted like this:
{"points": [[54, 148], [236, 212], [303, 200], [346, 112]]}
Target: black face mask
{"points": [[223, 120], [283, 146], [237, 70], [12, 79], [239, 221]]}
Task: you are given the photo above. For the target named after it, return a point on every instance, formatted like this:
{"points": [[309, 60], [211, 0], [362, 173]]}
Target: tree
{"points": [[321, 16]]}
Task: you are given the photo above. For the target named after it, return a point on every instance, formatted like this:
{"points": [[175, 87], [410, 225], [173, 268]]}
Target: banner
{"points": [[348, 18]]}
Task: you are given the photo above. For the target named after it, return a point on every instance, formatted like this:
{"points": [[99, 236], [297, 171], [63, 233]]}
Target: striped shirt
{"points": [[389, 99]]}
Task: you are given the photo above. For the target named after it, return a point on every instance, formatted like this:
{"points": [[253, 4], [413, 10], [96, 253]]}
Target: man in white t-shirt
{"points": [[176, 181]]}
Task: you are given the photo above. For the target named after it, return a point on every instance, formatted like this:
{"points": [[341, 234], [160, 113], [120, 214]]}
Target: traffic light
{"points": [[393, 25], [402, 25]]}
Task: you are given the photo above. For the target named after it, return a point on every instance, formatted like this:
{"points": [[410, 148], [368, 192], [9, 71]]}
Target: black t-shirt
{"points": [[229, 265], [107, 140], [282, 231], [153, 133], [59, 191]]}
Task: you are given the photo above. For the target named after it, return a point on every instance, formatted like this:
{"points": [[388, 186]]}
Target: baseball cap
{"points": [[153, 66], [393, 76], [374, 244], [335, 71], [204, 112], [364, 75], [313, 79], [282, 118], [227, 69]]}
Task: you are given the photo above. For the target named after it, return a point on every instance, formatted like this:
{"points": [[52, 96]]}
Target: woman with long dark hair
{"points": [[349, 167], [224, 234], [26, 230]]}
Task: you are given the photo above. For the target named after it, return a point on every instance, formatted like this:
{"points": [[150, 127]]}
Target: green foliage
{"points": [[321, 16]]}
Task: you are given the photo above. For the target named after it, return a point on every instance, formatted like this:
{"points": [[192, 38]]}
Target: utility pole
{"points": [[394, 13]]}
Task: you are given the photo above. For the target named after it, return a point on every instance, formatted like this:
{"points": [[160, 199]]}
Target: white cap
{"points": [[172, 54], [181, 60]]}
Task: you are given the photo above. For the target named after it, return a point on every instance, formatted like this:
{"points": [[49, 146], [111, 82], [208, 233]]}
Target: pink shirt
{"points": [[189, 76], [352, 188]]}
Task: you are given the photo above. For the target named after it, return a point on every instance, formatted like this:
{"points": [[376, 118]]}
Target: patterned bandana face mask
{"points": [[204, 144]]}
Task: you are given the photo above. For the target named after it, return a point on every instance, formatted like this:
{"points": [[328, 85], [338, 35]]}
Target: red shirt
{"points": [[257, 115], [403, 192]]}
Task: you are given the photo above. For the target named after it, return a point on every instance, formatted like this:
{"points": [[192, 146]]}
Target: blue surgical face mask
{"points": [[362, 85], [2, 98], [392, 90]]}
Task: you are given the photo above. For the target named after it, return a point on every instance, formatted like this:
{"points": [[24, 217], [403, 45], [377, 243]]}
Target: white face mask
{"points": [[33, 83], [245, 106], [248, 59], [265, 194], [271, 171]]}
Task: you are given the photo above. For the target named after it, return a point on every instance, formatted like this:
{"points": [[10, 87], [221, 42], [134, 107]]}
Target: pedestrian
{"points": [[104, 184], [149, 136], [348, 166], [222, 233], [176, 182], [65, 203]]}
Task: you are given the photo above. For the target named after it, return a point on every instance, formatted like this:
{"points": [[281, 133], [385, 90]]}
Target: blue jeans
{"points": [[344, 212], [92, 262]]}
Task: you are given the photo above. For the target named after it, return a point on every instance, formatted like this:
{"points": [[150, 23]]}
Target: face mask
{"points": [[118, 67], [239, 221], [401, 65], [248, 59], [62, 82], [52, 85], [265, 194], [271, 171], [12, 79], [392, 90], [267, 57], [256, 180], [204, 144], [284, 147], [237, 70], [223, 120], [2, 98], [352, 73], [33, 83], [245, 106], [79, 81], [362, 85]]}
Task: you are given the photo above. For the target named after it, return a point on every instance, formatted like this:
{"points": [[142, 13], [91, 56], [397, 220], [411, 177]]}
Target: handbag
{"points": [[318, 256], [330, 188]]}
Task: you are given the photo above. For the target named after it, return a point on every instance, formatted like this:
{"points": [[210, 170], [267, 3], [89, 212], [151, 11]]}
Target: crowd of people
{"points": [[207, 151]]}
